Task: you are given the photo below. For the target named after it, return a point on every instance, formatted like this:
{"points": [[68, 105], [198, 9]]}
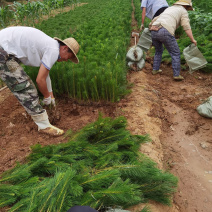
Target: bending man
{"points": [[32, 47], [162, 31]]}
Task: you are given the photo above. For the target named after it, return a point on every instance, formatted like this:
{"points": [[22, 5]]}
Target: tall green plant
{"points": [[5, 16], [103, 39]]}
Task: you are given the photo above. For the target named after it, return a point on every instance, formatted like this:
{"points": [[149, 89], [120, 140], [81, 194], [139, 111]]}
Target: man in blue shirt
{"points": [[151, 9]]}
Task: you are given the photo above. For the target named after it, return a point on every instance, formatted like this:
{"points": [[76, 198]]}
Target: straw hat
{"points": [[73, 45], [185, 2]]}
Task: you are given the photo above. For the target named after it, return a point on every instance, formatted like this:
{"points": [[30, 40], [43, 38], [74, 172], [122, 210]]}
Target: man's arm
{"points": [[41, 81], [143, 18], [143, 15], [190, 35], [49, 86]]}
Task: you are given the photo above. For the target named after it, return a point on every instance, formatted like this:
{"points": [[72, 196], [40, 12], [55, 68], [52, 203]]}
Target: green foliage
{"points": [[103, 39], [5, 15], [205, 5], [27, 12], [99, 166]]}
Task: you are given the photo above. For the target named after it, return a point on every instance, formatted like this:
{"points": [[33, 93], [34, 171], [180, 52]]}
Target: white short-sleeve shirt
{"points": [[31, 46]]}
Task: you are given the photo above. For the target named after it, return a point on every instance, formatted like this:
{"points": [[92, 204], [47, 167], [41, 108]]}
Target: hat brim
{"points": [[75, 58], [184, 3]]}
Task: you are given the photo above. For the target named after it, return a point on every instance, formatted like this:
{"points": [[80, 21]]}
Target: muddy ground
{"points": [[163, 108]]}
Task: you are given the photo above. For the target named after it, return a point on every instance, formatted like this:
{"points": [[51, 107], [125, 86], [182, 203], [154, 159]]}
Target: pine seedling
{"points": [[8, 194], [120, 192], [101, 180], [16, 175]]}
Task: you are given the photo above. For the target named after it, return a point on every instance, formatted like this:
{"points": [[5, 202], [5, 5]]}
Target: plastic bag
{"points": [[205, 109], [145, 40], [194, 58]]}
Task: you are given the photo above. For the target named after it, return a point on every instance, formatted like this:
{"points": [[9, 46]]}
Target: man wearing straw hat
{"points": [[32, 47], [163, 29]]}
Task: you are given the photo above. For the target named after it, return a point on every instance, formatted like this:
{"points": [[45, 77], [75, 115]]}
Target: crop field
{"points": [[100, 165], [103, 31]]}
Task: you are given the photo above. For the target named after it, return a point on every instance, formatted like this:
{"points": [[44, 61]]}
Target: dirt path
{"points": [[181, 138], [186, 136]]}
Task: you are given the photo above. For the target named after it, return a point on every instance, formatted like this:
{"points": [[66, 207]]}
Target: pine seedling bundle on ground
{"points": [[100, 166]]}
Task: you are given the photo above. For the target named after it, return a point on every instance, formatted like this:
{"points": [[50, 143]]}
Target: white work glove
{"points": [[47, 101]]}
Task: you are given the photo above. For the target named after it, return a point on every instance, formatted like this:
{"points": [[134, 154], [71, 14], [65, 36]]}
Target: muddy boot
{"points": [[156, 71], [44, 126], [179, 78]]}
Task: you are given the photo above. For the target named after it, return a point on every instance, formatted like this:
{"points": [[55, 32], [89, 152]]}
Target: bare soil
{"points": [[158, 106]]}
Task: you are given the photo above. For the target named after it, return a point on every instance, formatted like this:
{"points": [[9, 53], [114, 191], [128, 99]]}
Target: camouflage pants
{"points": [[12, 73]]}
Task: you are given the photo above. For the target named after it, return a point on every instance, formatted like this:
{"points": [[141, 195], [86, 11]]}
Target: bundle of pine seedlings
{"points": [[100, 166]]}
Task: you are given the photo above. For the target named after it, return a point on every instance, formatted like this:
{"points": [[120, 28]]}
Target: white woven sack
{"points": [[140, 64], [194, 58], [133, 52], [145, 40], [205, 109]]}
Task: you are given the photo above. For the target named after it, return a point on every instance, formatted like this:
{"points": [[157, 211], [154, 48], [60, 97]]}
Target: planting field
{"points": [[99, 153]]}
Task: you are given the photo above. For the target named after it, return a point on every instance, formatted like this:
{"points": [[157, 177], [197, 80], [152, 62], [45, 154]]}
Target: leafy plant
{"points": [[5, 16]]}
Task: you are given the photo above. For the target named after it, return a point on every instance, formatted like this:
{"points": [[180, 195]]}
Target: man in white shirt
{"points": [[151, 9], [32, 47]]}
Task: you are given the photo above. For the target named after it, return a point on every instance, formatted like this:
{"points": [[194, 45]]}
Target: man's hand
{"points": [[142, 27], [194, 41], [190, 35]]}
